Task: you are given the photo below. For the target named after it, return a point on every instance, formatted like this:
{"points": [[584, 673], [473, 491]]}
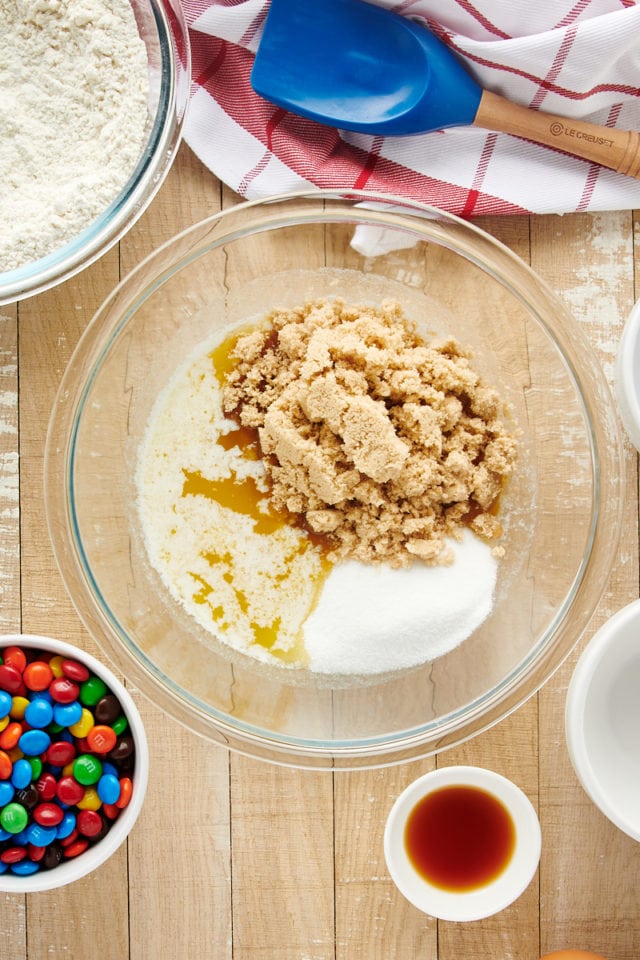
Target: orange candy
{"points": [[10, 735], [6, 765], [37, 675], [101, 739], [126, 790]]}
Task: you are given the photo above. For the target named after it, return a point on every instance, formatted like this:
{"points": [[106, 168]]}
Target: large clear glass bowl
{"points": [[162, 27], [561, 510]]}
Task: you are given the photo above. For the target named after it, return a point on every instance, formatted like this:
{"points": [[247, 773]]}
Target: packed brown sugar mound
{"points": [[370, 436]]}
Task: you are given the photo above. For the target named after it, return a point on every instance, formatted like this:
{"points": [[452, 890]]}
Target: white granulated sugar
{"points": [[73, 115], [373, 619]]}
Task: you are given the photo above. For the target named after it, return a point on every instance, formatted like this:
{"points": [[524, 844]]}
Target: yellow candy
{"points": [[18, 707], [84, 724], [90, 800], [56, 665], [67, 770], [4, 722]]}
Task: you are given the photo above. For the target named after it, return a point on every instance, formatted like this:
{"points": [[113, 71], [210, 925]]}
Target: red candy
{"points": [[75, 671], [68, 790], [64, 690], [15, 657], [75, 849], [35, 853], [89, 823], [48, 814], [13, 854], [46, 785], [60, 753], [10, 678]]}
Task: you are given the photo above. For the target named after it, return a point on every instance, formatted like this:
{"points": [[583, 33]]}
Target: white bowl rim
{"points": [[492, 897], [95, 856], [579, 687]]}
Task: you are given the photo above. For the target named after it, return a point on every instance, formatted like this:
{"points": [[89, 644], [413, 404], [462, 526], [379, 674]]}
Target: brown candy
{"points": [[107, 709]]}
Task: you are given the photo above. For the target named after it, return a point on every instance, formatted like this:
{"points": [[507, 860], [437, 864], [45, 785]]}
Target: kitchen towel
{"points": [[575, 58]]}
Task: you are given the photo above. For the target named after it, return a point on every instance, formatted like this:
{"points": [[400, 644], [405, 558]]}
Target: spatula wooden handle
{"points": [[618, 150]]}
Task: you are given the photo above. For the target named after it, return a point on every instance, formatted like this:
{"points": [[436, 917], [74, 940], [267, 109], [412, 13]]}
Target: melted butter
{"points": [[221, 359], [240, 496], [245, 439], [244, 496]]}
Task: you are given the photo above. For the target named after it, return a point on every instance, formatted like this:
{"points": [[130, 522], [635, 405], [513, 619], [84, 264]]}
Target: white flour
{"points": [[73, 112]]}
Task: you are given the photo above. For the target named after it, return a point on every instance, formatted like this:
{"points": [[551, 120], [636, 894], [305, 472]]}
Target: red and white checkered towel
{"points": [[576, 58]]}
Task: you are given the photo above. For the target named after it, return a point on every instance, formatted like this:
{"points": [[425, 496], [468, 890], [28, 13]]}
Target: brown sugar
{"points": [[382, 442]]}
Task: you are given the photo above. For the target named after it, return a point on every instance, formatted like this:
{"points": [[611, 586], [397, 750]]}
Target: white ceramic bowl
{"points": [[97, 854], [482, 901], [627, 382], [603, 719]]}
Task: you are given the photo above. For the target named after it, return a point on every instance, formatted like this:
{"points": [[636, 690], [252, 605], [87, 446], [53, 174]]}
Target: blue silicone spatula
{"points": [[356, 66]]}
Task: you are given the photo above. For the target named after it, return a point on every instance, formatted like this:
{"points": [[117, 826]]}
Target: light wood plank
{"points": [[179, 851], [282, 843], [12, 908], [586, 900], [373, 919]]}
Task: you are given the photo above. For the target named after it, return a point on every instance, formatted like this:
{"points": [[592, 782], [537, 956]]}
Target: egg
{"points": [[572, 955]]}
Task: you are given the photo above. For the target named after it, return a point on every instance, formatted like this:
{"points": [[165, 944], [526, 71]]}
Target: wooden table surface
{"points": [[235, 859]]}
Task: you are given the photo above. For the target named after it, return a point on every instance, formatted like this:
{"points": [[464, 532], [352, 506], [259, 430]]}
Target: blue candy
{"points": [[34, 742], [25, 868], [108, 788], [66, 714], [21, 839], [22, 774], [40, 836], [39, 714], [6, 792], [66, 826], [6, 701], [42, 695]]}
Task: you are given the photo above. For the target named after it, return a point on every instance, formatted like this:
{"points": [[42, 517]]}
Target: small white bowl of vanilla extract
{"points": [[462, 843]]}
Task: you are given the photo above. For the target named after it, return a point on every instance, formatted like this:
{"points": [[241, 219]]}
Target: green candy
{"points": [[92, 690], [120, 725], [87, 769], [14, 818], [36, 766]]}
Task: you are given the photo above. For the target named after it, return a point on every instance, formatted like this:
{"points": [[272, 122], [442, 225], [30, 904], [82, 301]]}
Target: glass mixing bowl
{"points": [[162, 27], [560, 511]]}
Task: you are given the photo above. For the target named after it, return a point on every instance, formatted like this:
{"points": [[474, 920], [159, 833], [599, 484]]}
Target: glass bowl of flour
{"points": [[94, 96], [336, 482]]}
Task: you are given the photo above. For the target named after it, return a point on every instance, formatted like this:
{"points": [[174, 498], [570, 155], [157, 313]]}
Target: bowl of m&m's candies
{"points": [[73, 763]]}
